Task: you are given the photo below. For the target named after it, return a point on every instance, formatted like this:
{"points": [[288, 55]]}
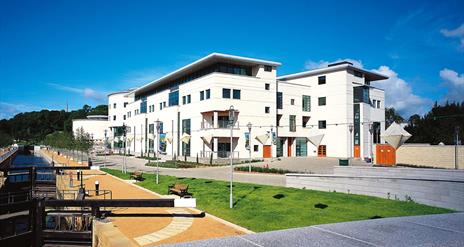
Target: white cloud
{"points": [[455, 84], [86, 92], [455, 33], [399, 94], [322, 63]]}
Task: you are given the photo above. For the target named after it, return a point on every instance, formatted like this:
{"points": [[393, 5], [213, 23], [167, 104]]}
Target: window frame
{"points": [[322, 124], [322, 101], [321, 80], [234, 91], [226, 92], [267, 109]]}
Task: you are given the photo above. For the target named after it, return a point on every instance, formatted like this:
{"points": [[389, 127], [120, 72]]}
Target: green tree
{"points": [[392, 116]]}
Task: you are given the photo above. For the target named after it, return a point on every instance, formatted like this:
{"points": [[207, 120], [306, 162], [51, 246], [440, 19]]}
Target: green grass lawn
{"points": [[264, 208]]}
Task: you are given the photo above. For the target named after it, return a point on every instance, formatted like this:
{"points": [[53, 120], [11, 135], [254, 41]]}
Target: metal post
{"points": [[350, 128], [124, 170], [231, 123], [456, 164], [157, 122], [249, 125], [104, 150], [371, 142]]}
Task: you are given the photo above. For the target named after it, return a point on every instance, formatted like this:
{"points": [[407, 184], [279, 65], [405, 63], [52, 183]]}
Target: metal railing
{"points": [[221, 124], [7, 154]]}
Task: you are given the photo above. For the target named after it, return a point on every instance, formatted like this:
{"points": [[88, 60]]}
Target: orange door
{"points": [[267, 151], [385, 155], [321, 151], [357, 151], [289, 147]]}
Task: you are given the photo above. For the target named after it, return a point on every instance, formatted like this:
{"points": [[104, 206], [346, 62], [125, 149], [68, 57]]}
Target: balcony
{"points": [[221, 124]]}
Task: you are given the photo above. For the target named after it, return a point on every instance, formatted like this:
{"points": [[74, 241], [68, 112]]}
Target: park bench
{"points": [[178, 189], [137, 176]]}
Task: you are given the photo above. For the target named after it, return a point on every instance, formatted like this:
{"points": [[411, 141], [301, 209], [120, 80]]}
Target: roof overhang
{"points": [[369, 75], [201, 63]]}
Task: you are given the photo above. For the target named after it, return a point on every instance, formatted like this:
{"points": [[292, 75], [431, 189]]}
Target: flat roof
{"points": [[371, 76], [201, 63]]}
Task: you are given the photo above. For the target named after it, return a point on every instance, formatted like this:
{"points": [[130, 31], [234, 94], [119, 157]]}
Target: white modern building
{"points": [[94, 125], [322, 112]]}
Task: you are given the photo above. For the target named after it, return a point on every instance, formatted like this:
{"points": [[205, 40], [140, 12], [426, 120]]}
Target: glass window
{"points": [[376, 132], [267, 86], [161, 106], [301, 147], [189, 99], [114, 118], [267, 109], [114, 105], [208, 93], [236, 94], [322, 124], [124, 117], [279, 100], [292, 123], [306, 103], [322, 101], [256, 148], [184, 100], [143, 105], [202, 95], [164, 104], [321, 80], [292, 101], [226, 93], [267, 68], [378, 104], [125, 104], [151, 128], [174, 98]]}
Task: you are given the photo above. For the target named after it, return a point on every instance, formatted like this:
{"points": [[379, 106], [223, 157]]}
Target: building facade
{"points": [[291, 115], [97, 126]]}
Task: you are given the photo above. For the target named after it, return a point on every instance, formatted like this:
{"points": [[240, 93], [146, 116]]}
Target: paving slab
{"points": [[427, 230]]}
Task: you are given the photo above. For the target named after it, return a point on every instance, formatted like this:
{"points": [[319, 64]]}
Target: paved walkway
{"points": [[429, 230], [167, 225], [217, 173]]}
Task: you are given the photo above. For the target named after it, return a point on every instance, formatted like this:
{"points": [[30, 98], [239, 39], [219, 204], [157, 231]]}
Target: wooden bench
{"points": [[178, 189], [137, 176]]}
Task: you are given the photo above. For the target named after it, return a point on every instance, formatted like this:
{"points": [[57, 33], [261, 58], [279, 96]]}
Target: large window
{"points": [[143, 105], [174, 98], [236, 94], [322, 101], [267, 68], [322, 124], [208, 93], [186, 130], [361, 95], [301, 146], [226, 93], [292, 123], [279, 100], [376, 132], [306, 103], [321, 80]]}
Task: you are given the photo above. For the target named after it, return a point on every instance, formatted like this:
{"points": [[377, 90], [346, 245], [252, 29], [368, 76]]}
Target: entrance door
{"points": [[289, 146], [223, 150], [321, 151], [267, 153], [357, 151]]}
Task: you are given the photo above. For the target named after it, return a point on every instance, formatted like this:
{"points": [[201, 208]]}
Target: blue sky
{"points": [[52, 52]]}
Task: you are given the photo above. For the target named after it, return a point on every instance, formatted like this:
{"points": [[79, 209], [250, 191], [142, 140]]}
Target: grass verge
{"points": [[263, 170], [265, 208]]}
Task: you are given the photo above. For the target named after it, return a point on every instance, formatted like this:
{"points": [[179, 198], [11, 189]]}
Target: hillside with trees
{"points": [[33, 127]]}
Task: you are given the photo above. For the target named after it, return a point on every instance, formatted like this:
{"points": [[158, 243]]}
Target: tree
{"points": [[391, 116]]}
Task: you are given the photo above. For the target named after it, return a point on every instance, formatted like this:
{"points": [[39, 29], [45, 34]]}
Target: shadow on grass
{"points": [[255, 188]]}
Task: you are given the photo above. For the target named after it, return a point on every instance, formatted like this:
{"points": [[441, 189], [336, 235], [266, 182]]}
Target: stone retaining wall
{"points": [[430, 155], [442, 189]]}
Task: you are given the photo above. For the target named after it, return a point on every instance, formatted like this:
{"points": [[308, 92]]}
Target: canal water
{"points": [[28, 160]]}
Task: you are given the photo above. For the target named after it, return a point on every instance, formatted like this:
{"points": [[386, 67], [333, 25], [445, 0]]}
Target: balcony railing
{"points": [[221, 124]]}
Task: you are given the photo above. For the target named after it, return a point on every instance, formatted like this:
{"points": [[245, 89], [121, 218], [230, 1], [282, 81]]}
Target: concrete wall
{"points": [[430, 155], [441, 189]]}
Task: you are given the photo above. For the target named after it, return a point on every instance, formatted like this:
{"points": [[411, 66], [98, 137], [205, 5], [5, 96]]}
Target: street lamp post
{"points": [[231, 124], [350, 128], [249, 125], [371, 130], [105, 145], [124, 169], [157, 122], [456, 164]]}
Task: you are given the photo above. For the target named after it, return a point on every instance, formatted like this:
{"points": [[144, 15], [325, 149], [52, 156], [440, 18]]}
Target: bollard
{"points": [[97, 187], [70, 179]]}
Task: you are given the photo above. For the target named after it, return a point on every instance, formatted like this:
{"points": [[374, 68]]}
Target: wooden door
{"points": [[289, 147], [385, 155], [267, 152], [321, 151], [357, 151]]}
